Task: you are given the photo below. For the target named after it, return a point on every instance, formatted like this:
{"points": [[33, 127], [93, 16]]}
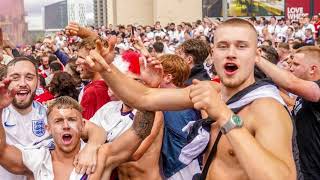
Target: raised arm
{"points": [[63, 57], [135, 94], [73, 29], [10, 156], [306, 89], [119, 151]]}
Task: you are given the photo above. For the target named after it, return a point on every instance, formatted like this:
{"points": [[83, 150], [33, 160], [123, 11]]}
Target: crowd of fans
{"points": [[64, 77]]}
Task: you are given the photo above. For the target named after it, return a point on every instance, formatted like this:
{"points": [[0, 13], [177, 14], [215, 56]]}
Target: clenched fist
{"points": [[205, 95]]}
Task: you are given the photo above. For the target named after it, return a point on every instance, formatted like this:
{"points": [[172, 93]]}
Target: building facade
{"points": [[56, 16], [146, 12], [100, 9], [77, 11], [12, 20]]}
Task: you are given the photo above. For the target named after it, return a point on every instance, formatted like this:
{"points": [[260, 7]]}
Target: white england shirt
{"points": [[110, 118], [39, 161], [25, 130]]}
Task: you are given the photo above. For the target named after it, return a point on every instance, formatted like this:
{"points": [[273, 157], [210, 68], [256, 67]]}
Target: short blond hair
{"points": [[313, 52], [238, 22], [64, 102], [177, 67]]}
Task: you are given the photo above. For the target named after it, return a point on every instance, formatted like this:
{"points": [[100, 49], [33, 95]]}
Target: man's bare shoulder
{"points": [[272, 126], [268, 110]]}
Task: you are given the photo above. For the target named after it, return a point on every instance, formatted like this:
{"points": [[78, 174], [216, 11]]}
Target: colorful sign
{"points": [[295, 9], [244, 8], [292, 9]]}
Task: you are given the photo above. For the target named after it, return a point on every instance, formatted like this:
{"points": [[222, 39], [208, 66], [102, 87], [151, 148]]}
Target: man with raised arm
{"points": [[251, 137], [95, 94], [303, 80]]}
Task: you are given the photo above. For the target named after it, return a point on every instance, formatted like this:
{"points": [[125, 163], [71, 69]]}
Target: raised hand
{"points": [[137, 43], [6, 95], [108, 54], [96, 62], [100, 58], [151, 71], [74, 29], [86, 160]]}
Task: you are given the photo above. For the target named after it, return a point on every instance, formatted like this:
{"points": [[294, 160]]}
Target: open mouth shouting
{"points": [[230, 68], [66, 138], [22, 95]]}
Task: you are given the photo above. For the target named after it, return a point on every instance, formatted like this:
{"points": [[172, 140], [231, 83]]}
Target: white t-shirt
{"points": [[6, 59], [173, 35], [199, 30], [49, 78], [159, 33], [25, 130], [308, 26], [150, 35], [110, 118], [259, 29], [281, 30], [271, 28], [39, 162], [206, 31], [181, 37], [299, 34]]}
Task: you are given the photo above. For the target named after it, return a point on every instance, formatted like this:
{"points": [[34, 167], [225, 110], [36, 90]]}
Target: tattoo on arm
{"points": [[142, 124]]}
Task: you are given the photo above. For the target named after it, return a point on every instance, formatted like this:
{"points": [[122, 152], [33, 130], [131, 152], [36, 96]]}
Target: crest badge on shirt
{"points": [[38, 127]]}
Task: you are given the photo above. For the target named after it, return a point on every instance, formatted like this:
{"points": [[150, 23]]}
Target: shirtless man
{"points": [[144, 162], [257, 142]]}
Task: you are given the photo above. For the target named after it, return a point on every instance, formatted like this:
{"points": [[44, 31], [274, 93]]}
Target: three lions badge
{"points": [[38, 127]]}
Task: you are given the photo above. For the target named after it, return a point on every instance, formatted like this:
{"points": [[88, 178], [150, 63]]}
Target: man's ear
{"points": [[167, 78], [83, 123], [314, 69], [48, 128], [259, 51], [189, 60]]}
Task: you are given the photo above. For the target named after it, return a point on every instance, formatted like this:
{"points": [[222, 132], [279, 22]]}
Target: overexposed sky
{"points": [[34, 17], [33, 7]]}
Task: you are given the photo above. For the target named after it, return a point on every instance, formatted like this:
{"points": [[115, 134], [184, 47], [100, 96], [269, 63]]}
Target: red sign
{"points": [[295, 9]]}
